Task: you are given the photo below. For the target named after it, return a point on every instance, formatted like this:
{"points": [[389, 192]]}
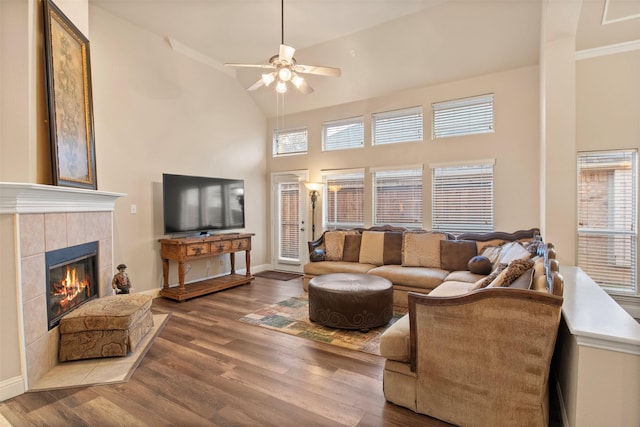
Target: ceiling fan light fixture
{"points": [[297, 80], [284, 74], [268, 78], [281, 87]]}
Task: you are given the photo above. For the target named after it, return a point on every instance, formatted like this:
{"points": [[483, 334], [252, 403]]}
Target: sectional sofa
{"points": [[434, 263], [475, 348]]}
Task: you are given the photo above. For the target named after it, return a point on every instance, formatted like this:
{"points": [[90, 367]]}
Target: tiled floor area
{"points": [[99, 371]]}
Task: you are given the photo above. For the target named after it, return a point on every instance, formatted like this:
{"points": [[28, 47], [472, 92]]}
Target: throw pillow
{"points": [[334, 243], [512, 251], [392, 251], [480, 265], [493, 253], [485, 281], [514, 270], [421, 249], [524, 281], [351, 251], [455, 254], [372, 248]]}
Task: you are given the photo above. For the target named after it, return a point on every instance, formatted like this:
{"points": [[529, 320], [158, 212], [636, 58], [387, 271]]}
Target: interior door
{"points": [[289, 228]]}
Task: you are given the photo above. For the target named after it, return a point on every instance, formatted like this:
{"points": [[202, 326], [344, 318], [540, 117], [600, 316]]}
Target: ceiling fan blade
{"points": [[304, 87], [286, 53], [317, 70], [256, 85], [268, 66]]}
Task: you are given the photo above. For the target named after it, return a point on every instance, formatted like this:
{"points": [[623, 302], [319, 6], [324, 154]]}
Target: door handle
{"points": [[302, 229]]}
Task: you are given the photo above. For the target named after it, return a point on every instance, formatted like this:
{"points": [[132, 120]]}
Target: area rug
{"points": [[291, 316], [108, 370], [277, 275]]}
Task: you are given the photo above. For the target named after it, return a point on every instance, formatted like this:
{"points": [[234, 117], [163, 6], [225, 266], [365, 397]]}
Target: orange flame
{"points": [[70, 287]]}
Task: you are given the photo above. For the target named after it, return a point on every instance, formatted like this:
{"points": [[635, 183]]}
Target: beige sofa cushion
{"points": [[326, 267], [414, 277], [464, 276], [394, 342], [372, 248], [451, 288], [421, 249]]}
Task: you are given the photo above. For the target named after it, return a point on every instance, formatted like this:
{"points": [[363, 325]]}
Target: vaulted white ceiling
{"points": [[382, 46]]}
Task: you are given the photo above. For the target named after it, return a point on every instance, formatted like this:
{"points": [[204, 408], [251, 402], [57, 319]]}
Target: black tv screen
{"points": [[201, 204]]}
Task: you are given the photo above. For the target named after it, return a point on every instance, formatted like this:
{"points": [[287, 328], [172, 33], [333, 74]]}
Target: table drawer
{"points": [[220, 247], [241, 244], [197, 249]]}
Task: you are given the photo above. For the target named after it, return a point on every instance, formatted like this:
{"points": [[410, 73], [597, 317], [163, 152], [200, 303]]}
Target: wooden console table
{"points": [[188, 249]]}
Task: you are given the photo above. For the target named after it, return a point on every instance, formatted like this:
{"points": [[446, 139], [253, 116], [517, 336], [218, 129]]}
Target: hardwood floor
{"points": [[207, 369]]}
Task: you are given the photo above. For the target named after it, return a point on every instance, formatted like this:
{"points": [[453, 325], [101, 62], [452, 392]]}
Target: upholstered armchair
{"points": [[478, 359]]}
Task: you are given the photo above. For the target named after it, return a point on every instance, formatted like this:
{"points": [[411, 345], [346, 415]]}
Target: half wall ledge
{"points": [[597, 360]]}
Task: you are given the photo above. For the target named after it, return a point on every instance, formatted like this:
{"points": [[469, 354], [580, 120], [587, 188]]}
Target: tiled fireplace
{"points": [[49, 219]]}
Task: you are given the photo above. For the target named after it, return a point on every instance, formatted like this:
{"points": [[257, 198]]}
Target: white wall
{"points": [[158, 111], [513, 145]]}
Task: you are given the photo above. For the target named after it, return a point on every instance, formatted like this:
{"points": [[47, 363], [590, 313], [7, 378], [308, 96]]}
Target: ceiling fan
{"points": [[286, 69]]}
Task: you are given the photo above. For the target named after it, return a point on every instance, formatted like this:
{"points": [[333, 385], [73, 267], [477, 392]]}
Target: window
{"points": [[607, 218], [397, 197], [462, 197], [465, 116], [397, 126], [289, 218], [292, 141], [343, 199], [343, 134]]}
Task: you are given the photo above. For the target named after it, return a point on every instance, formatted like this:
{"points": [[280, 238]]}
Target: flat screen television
{"points": [[199, 205]]}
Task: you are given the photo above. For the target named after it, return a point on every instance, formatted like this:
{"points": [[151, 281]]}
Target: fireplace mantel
{"points": [[37, 198]]}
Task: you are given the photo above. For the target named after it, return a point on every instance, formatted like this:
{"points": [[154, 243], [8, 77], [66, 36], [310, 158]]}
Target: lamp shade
{"points": [[313, 186]]}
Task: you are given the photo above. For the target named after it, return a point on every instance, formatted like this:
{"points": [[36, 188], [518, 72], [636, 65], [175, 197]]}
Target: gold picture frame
{"points": [[69, 101]]}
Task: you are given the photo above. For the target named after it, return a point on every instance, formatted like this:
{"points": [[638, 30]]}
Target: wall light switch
{"points": [[134, 209]]}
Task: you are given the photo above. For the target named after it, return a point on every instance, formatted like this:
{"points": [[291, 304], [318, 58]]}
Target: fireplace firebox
{"points": [[72, 279]]}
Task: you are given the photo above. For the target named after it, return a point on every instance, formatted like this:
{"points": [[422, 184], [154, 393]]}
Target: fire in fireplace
{"points": [[72, 279]]}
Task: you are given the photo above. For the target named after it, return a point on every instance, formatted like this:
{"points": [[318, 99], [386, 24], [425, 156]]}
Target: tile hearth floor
{"points": [[108, 370]]}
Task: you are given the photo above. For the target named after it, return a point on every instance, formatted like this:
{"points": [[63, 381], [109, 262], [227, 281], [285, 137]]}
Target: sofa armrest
{"points": [[485, 348]]}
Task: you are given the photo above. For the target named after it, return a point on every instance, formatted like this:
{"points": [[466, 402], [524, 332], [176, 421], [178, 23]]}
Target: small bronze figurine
{"points": [[120, 282]]}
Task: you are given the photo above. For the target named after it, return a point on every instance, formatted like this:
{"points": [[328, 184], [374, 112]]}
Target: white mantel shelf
{"points": [[37, 198]]}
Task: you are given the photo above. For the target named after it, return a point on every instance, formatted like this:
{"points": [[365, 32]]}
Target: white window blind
{"points": [[607, 218], [391, 127], [343, 193], [289, 247], [462, 198], [465, 116], [292, 141], [397, 197], [343, 134]]}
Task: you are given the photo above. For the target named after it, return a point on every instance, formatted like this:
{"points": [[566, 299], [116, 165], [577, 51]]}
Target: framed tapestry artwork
{"points": [[69, 100]]}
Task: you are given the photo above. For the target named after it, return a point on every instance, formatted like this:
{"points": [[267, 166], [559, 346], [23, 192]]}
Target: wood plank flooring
{"points": [[207, 369]]}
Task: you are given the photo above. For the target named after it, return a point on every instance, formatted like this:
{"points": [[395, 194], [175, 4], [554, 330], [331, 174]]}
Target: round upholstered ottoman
{"points": [[350, 301]]}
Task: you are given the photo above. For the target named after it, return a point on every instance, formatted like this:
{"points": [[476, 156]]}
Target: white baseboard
{"points": [[11, 387]]}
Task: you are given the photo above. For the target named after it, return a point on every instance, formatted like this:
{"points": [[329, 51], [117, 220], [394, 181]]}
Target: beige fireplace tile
{"points": [[54, 346], [98, 225], [107, 269], [76, 228], [34, 277], [35, 319], [31, 234], [55, 231], [37, 360]]}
